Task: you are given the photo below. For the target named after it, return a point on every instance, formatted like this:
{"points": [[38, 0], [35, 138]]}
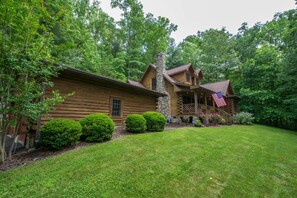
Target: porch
{"points": [[194, 102], [199, 101], [189, 109]]}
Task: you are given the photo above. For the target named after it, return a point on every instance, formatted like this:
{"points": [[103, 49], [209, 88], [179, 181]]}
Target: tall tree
{"points": [[143, 36], [288, 74], [267, 77], [132, 27], [25, 42], [218, 57], [157, 36]]}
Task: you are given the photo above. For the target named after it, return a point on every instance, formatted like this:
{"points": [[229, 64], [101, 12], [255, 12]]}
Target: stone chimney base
{"points": [[163, 105]]}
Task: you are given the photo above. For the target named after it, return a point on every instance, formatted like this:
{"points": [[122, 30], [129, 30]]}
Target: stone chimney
{"points": [[163, 102]]}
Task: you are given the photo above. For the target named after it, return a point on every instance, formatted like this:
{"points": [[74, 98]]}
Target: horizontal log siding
{"points": [[91, 98]]}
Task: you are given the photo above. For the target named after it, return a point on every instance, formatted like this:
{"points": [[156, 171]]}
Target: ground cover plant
{"points": [[231, 161]]}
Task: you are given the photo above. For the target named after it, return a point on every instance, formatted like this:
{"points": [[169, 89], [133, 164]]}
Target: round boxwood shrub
{"points": [[154, 121], [59, 133], [135, 123], [97, 127]]}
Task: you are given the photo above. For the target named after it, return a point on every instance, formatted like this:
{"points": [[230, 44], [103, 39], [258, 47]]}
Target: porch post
{"points": [[196, 101], [205, 101]]}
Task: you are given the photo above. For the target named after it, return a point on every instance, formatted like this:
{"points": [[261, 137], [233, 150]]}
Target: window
{"points": [[193, 80], [116, 107], [154, 84], [188, 77], [188, 100], [201, 99], [209, 101]]}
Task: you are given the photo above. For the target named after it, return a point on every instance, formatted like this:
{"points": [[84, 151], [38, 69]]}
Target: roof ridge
{"points": [[188, 64], [216, 82]]}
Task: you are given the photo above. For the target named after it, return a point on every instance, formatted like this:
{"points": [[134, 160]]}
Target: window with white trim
{"points": [[116, 107]]}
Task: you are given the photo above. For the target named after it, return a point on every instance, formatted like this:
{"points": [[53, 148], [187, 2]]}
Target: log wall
{"points": [[93, 98]]}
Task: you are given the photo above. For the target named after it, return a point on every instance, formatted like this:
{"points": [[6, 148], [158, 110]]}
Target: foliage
{"points": [[97, 127], [142, 36], [244, 118], [210, 118], [155, 121], [59, 133], [135, 123], [198, 123], [222, 121], [205, 118], [214, 118], [266, 82], [260, 61], [229, 155], [26, 41], [288, 74]]}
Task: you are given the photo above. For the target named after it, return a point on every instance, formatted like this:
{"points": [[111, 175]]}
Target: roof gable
{"points": [[179, 69], [170, 72], [146, 71], [223, 86]]}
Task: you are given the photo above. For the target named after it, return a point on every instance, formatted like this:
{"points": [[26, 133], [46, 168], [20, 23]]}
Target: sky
{"points": [[194, 15]]}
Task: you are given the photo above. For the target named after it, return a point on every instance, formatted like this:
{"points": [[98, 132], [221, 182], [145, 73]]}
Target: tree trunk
{"points": [[2, 154], [27, 146], [3, 141], [16, 130], [30, 139]]}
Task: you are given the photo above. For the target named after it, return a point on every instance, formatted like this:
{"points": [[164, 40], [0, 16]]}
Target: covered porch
{"points": [[199, 100]]}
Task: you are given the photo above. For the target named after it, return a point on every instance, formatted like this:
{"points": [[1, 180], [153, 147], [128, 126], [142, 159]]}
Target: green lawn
{"points": [[235, 161]]}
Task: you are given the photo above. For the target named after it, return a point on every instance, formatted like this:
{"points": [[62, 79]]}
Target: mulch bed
{"points": [[23, 156]]}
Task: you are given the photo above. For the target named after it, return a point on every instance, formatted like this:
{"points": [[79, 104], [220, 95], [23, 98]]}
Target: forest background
{"points": [[260, 61]]}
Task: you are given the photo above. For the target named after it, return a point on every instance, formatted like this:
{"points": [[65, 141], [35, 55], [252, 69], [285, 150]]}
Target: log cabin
{"points": [[186, 96], [176, 93], [97, 94], [91, 93]]}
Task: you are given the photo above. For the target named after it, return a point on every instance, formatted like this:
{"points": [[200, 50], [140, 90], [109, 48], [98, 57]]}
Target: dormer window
{"points": [[188, 77], [154, 84]]}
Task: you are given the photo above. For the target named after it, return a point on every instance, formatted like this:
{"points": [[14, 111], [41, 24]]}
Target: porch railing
{"points": [[189, 109]]}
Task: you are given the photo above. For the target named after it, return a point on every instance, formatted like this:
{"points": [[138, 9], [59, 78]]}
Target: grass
{"points": [[235, 161]]}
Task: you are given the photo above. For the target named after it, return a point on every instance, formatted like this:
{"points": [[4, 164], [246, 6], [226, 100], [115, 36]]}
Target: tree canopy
{"points": [[260, 61]]}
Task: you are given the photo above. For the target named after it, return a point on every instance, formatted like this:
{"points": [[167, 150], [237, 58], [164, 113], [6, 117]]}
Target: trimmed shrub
{"points": [[135, 123], [155, 121], [244, 118], [198, 123], [59, 133], [97, 127]]}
